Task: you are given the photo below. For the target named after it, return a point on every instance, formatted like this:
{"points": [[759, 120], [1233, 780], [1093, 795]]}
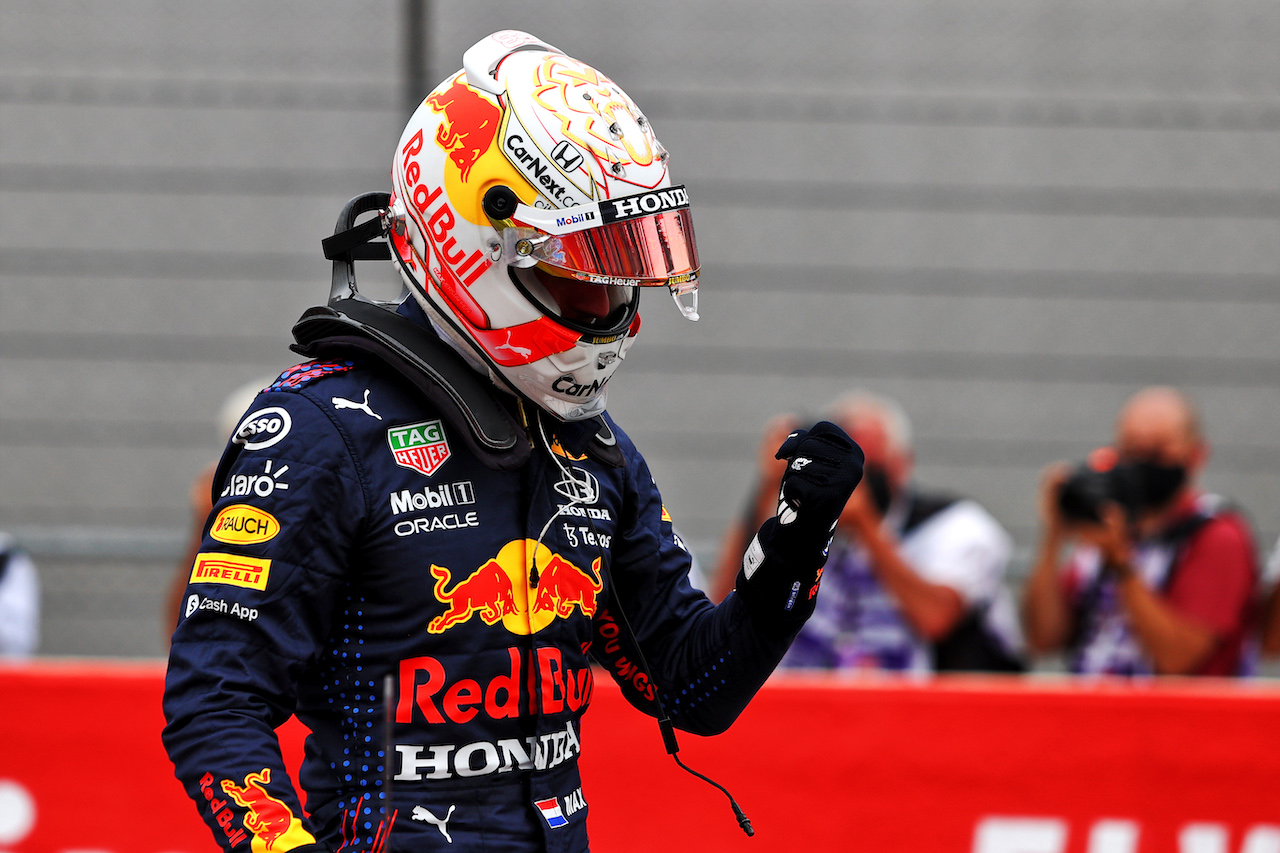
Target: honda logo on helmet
{"points": [[672, 198], [567, 156]]}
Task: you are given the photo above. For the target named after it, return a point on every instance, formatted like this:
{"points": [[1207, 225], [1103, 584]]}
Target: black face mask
{"points": [[1156, 482], [877, 479]]}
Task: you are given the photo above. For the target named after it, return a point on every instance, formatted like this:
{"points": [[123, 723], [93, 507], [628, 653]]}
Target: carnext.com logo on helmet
{"points": [[672, 198], [576, 218]]}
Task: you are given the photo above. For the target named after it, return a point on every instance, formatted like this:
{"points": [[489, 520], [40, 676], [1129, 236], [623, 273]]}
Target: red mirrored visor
{"points": [[653, 250], [644, 240]]}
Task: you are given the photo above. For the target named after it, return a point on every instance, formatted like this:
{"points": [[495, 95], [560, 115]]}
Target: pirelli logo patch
{"points": [[231, 569]]}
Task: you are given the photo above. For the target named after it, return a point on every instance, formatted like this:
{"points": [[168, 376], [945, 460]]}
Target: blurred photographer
{"points": [[1158, 577], [914, 581]]}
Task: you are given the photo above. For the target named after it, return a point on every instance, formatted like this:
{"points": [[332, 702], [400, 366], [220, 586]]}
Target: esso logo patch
{"points": [[263, 428]]}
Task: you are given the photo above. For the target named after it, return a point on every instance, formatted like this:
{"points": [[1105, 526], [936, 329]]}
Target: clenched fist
{"points": [[783, 564]]}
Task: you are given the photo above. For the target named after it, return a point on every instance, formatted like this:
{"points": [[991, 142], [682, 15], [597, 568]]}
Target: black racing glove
{"points": [[782, 566]]}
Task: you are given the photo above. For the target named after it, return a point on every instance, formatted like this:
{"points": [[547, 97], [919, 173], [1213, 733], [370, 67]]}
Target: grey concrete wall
{"points": [[1009, 215]]}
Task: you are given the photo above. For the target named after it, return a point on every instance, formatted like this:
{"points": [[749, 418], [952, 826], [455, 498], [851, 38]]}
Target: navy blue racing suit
{"points": [[360, 564]]}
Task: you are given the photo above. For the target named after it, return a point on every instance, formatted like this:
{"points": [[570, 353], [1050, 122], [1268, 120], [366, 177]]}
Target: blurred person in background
{"points": [[1158, 577], [1269, 640], [761, 503], [915, 578], [19, 601], [425, 536]]}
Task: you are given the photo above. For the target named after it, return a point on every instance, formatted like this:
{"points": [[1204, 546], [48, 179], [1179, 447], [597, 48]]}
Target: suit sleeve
{"points": [[705, 661], [259, 603]]}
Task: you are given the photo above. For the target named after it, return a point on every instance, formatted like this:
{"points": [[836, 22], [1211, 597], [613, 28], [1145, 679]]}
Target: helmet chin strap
{"points": [[460, 344]]}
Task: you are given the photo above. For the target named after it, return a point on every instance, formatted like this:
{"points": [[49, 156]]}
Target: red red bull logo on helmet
{"points": [[275, 828], [525, 587], [453, 269], [436, 221], [470, 123]]}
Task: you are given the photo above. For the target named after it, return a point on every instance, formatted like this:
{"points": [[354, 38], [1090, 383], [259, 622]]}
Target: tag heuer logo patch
{"points": [[419, 446]]}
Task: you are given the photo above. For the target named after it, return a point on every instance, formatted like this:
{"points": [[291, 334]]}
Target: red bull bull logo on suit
{"points": [[502, 590], [274, 827]]}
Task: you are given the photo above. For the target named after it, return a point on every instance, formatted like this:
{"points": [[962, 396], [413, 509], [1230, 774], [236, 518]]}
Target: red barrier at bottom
{"points": [[971, 766], [985, 765]]}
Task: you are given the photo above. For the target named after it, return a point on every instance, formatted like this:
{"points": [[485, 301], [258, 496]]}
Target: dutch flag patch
{"points": [[550, 809]]}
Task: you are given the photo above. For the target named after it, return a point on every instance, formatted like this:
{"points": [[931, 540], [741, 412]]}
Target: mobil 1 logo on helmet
{"points": [[421, 447], [263, 428]]}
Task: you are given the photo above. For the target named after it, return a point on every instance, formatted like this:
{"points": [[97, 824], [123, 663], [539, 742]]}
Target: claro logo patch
{"points": [[241, 524], [231, 569]]}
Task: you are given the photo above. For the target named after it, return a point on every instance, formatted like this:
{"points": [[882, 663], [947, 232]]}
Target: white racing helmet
{"points": [[531, 203]]}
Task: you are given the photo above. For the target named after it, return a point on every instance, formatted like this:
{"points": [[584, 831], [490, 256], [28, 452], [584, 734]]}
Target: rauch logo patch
{"points": [[241, 524], [421, 447]]}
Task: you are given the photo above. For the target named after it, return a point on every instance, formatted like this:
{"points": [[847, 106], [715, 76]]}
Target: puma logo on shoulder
{"points": [[341, 403]]}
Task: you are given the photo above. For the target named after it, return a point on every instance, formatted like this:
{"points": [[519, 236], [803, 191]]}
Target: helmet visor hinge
{"points": [[500, 203]]}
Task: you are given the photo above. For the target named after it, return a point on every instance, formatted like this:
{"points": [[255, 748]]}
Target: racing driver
{"points": [[423, 536]]}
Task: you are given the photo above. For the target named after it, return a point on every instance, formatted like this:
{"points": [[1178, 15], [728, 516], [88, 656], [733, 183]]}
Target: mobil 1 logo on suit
{"points": [[421, 447]]}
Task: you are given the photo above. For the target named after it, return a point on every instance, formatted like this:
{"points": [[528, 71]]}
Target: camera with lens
{"points": [[1082, 494], [1134, 485]]}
